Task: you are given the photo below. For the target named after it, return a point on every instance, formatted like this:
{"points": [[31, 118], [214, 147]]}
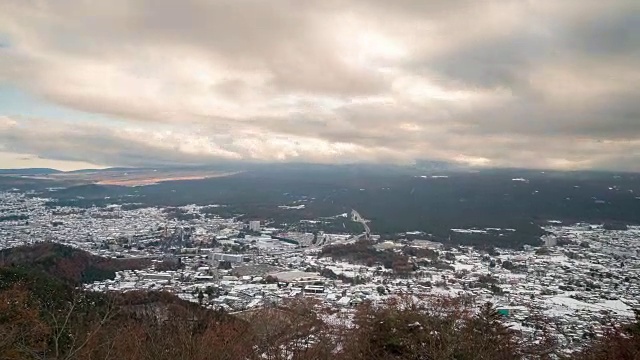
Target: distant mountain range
{"points": [[422, 165], [49, 171], [29, 171]]}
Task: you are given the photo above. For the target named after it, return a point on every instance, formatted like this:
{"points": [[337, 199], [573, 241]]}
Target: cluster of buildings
{"points": [[581, 277]]}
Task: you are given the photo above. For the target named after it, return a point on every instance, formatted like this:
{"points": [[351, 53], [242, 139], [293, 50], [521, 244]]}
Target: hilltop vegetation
{"points": [[43, 316], [66, 263], [363, 252]]}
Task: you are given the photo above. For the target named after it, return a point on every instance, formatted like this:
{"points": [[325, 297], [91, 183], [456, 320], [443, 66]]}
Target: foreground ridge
{"points": [[44, 316]]}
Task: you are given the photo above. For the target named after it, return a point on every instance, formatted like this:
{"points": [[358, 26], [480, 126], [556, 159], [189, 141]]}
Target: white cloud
{"points": [[489, 83]]}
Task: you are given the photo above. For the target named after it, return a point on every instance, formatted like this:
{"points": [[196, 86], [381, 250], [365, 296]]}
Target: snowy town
{"points": [[581, 276]]}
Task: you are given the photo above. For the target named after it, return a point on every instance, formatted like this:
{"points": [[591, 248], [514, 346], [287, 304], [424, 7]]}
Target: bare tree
{"points": [[76, 323]]}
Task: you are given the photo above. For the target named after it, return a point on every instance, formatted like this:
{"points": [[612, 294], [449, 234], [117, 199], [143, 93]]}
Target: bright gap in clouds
{"points": [[370, 49]]}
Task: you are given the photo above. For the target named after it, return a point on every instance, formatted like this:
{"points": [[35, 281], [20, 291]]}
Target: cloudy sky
{"points": [[530, 83]]}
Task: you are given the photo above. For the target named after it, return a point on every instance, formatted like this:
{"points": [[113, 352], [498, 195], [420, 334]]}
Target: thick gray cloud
{"points": [[489, 83]]}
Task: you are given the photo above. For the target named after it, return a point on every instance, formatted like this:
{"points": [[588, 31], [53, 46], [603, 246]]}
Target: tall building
{"points": [[254, 225], [550, 241]]}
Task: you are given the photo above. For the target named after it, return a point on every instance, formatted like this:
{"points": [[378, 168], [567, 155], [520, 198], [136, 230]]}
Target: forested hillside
{"points": [[66, 263]]}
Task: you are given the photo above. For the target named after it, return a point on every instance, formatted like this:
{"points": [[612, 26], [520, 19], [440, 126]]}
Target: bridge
{"points": [[355, 216]]}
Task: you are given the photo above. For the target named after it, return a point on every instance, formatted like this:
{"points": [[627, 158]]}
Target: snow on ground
{"points": [[458, 266], [563, 304]]}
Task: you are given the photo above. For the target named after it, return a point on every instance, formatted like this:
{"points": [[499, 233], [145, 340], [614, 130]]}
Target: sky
{"points": [[551, 84]]}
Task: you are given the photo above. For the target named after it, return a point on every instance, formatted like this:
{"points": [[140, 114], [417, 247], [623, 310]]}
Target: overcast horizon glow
{"points": [[538, 84]]}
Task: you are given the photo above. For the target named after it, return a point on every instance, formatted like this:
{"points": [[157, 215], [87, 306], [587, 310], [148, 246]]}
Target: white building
{"points": [[550, 241], [254, 225], [427, 244], [232, 258]]}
